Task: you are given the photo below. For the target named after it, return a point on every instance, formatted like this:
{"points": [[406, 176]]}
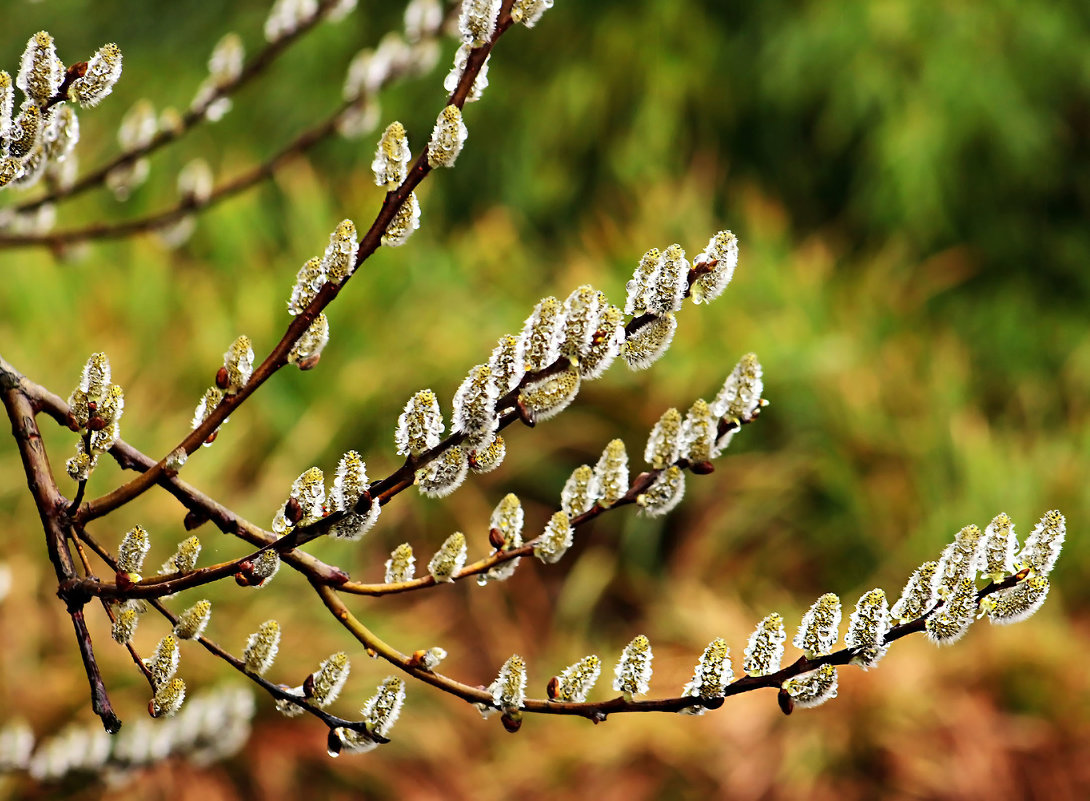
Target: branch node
{"points": [[194, 519], [74, 594]]}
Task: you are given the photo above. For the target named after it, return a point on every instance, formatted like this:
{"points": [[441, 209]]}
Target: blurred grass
{"points": [[908, 186]]}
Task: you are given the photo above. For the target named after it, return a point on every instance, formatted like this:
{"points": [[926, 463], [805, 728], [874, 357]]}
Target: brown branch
{"points": [[89, 574], [381, 491], [51, 509], [43, 401], [302, 143], [194, 115], [275, 690], [164, 585], [369, 243], [598, 711], [640, 485]]}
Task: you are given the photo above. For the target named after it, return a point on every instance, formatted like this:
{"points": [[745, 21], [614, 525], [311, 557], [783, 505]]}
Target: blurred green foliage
{"points": [[909, 183]]}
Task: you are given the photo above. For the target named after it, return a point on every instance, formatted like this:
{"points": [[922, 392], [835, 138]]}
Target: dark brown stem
{"points": [[89, 575], [52, 511], [81, 486]]}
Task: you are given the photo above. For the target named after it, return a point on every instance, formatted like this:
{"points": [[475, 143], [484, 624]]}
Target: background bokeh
{"points": [[909, 182]]}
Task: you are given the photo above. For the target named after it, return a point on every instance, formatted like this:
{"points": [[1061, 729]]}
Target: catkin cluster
{"points": [[39, 139], [444, 438]]}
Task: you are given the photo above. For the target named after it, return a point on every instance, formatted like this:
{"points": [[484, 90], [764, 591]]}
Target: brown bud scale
{"points": [[786, 702], [194, 519], [511, 720], [553, 688], [293, 511], [526, 415]]}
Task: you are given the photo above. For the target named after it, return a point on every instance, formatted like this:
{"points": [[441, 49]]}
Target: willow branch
{"points": [[89, 575], [383, 490], [43, 401], [640, 485], [598, 711], [185, 207], [278, 358], [192, 117], [52, 509], [275, 690]]}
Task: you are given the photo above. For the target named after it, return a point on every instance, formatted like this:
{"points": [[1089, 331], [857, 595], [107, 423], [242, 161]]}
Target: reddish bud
{"points": [[96, 423], [511, 720], [526, 415], [211, 438], [310, 362], [495, 538], [245, 575], [222, 379], [293, 511], [786, 702], [333, 744], [728, 425], [419, 660], [308, 686], [702, 468], [701, 269], [552, 688]]}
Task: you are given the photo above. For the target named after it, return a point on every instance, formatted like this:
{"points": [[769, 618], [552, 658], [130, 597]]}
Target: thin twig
{"points": [[275, 690], [194, 115], [89, 575], [151, 223], [597, 711]]}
